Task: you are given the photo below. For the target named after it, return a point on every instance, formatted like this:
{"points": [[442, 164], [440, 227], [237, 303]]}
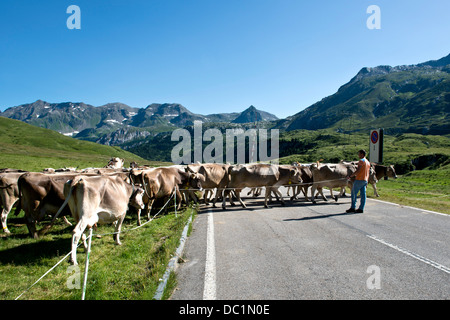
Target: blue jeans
{"points": [[359, 186]]}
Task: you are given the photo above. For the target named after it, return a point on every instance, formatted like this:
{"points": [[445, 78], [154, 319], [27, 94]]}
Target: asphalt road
{"points": [[305, 251]]}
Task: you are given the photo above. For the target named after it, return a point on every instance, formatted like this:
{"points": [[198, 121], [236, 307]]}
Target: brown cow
{"points": [[307, 180], [100, 199], [381, 172], [261, 175], [40, 195], [163, 181], [216, 177], [330, 176], [9, 195]]}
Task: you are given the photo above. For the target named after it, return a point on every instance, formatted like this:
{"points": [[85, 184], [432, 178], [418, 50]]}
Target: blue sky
{"points": [[209, 55]]}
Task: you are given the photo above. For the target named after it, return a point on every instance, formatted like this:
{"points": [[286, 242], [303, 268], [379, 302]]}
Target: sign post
{"points": [[376, 146]]}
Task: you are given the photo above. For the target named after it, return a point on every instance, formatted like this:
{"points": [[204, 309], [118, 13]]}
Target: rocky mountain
{"points": [[118, 123], [252, 114], [70, 118], [414, 98]]}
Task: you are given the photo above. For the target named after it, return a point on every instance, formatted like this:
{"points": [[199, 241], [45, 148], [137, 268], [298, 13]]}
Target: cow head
{"points": [[390, 172], [136, 198], [116, 163], [372, 174], [149, 184], [194, 179], [295, 175]]}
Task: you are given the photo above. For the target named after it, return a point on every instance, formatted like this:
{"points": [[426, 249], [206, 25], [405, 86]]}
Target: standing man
{"points": [[360, 183]]}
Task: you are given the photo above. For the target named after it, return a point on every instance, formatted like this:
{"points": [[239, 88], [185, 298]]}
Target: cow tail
{"points": [[19, 205], [144, 185]]}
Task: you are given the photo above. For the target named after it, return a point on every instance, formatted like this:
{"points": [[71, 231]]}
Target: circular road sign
{"points": [[374, 136]]}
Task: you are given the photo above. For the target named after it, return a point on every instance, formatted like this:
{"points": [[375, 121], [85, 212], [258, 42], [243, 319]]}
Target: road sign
{"points": [[374, 136], [376, 146]]}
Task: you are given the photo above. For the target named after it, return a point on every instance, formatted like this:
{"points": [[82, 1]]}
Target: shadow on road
{"points": [[322, 216]]}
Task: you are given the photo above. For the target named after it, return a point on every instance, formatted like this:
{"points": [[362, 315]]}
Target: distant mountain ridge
{"points": [[85, 121], [413, 98]]}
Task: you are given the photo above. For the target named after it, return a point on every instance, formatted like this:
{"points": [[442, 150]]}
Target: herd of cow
{"points": [[103, 195]]}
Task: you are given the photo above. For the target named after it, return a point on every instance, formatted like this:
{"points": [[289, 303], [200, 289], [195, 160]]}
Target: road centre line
{"points": [[209, 290], [411, 254]]}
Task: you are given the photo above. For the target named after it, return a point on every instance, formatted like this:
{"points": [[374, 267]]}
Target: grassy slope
{"points": [[425, 189], [127, 272], [23, 146], [23, 259], [331, 146]]}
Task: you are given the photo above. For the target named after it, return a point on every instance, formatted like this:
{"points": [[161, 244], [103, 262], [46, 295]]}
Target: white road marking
{"points": [[419, 209], [209, 290], [411, 254]]}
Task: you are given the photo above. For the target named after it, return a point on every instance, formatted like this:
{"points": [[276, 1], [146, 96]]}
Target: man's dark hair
{"points": [[363, 152]]}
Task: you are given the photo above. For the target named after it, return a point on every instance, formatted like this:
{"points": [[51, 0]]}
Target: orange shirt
{"points": [[364, 171]]}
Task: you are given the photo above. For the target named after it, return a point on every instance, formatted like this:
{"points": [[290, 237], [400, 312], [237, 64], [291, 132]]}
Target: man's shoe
{"points": [[350, 210], [359, 211]]}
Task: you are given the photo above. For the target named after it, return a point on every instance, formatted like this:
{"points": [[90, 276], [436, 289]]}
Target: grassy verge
{"points": [[425, 189], [127, 272]]}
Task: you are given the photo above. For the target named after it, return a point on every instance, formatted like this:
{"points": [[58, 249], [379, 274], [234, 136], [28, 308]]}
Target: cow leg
{"points": [[227, 193], [274, 190], [4, 218], [77, 233], [138, 217], [224, 198], [323, 195], [305, 192], [31, 225], [216, 197], [299, 190], [149, 208], [83, 238], [295, 192], [315, 187], [206, 196], [279, 195], [335, 197], [178, 204], [188, 195], [374, 186], [166, 209], [118, 228], [238, 195], [66, 221], [266, 196]]}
